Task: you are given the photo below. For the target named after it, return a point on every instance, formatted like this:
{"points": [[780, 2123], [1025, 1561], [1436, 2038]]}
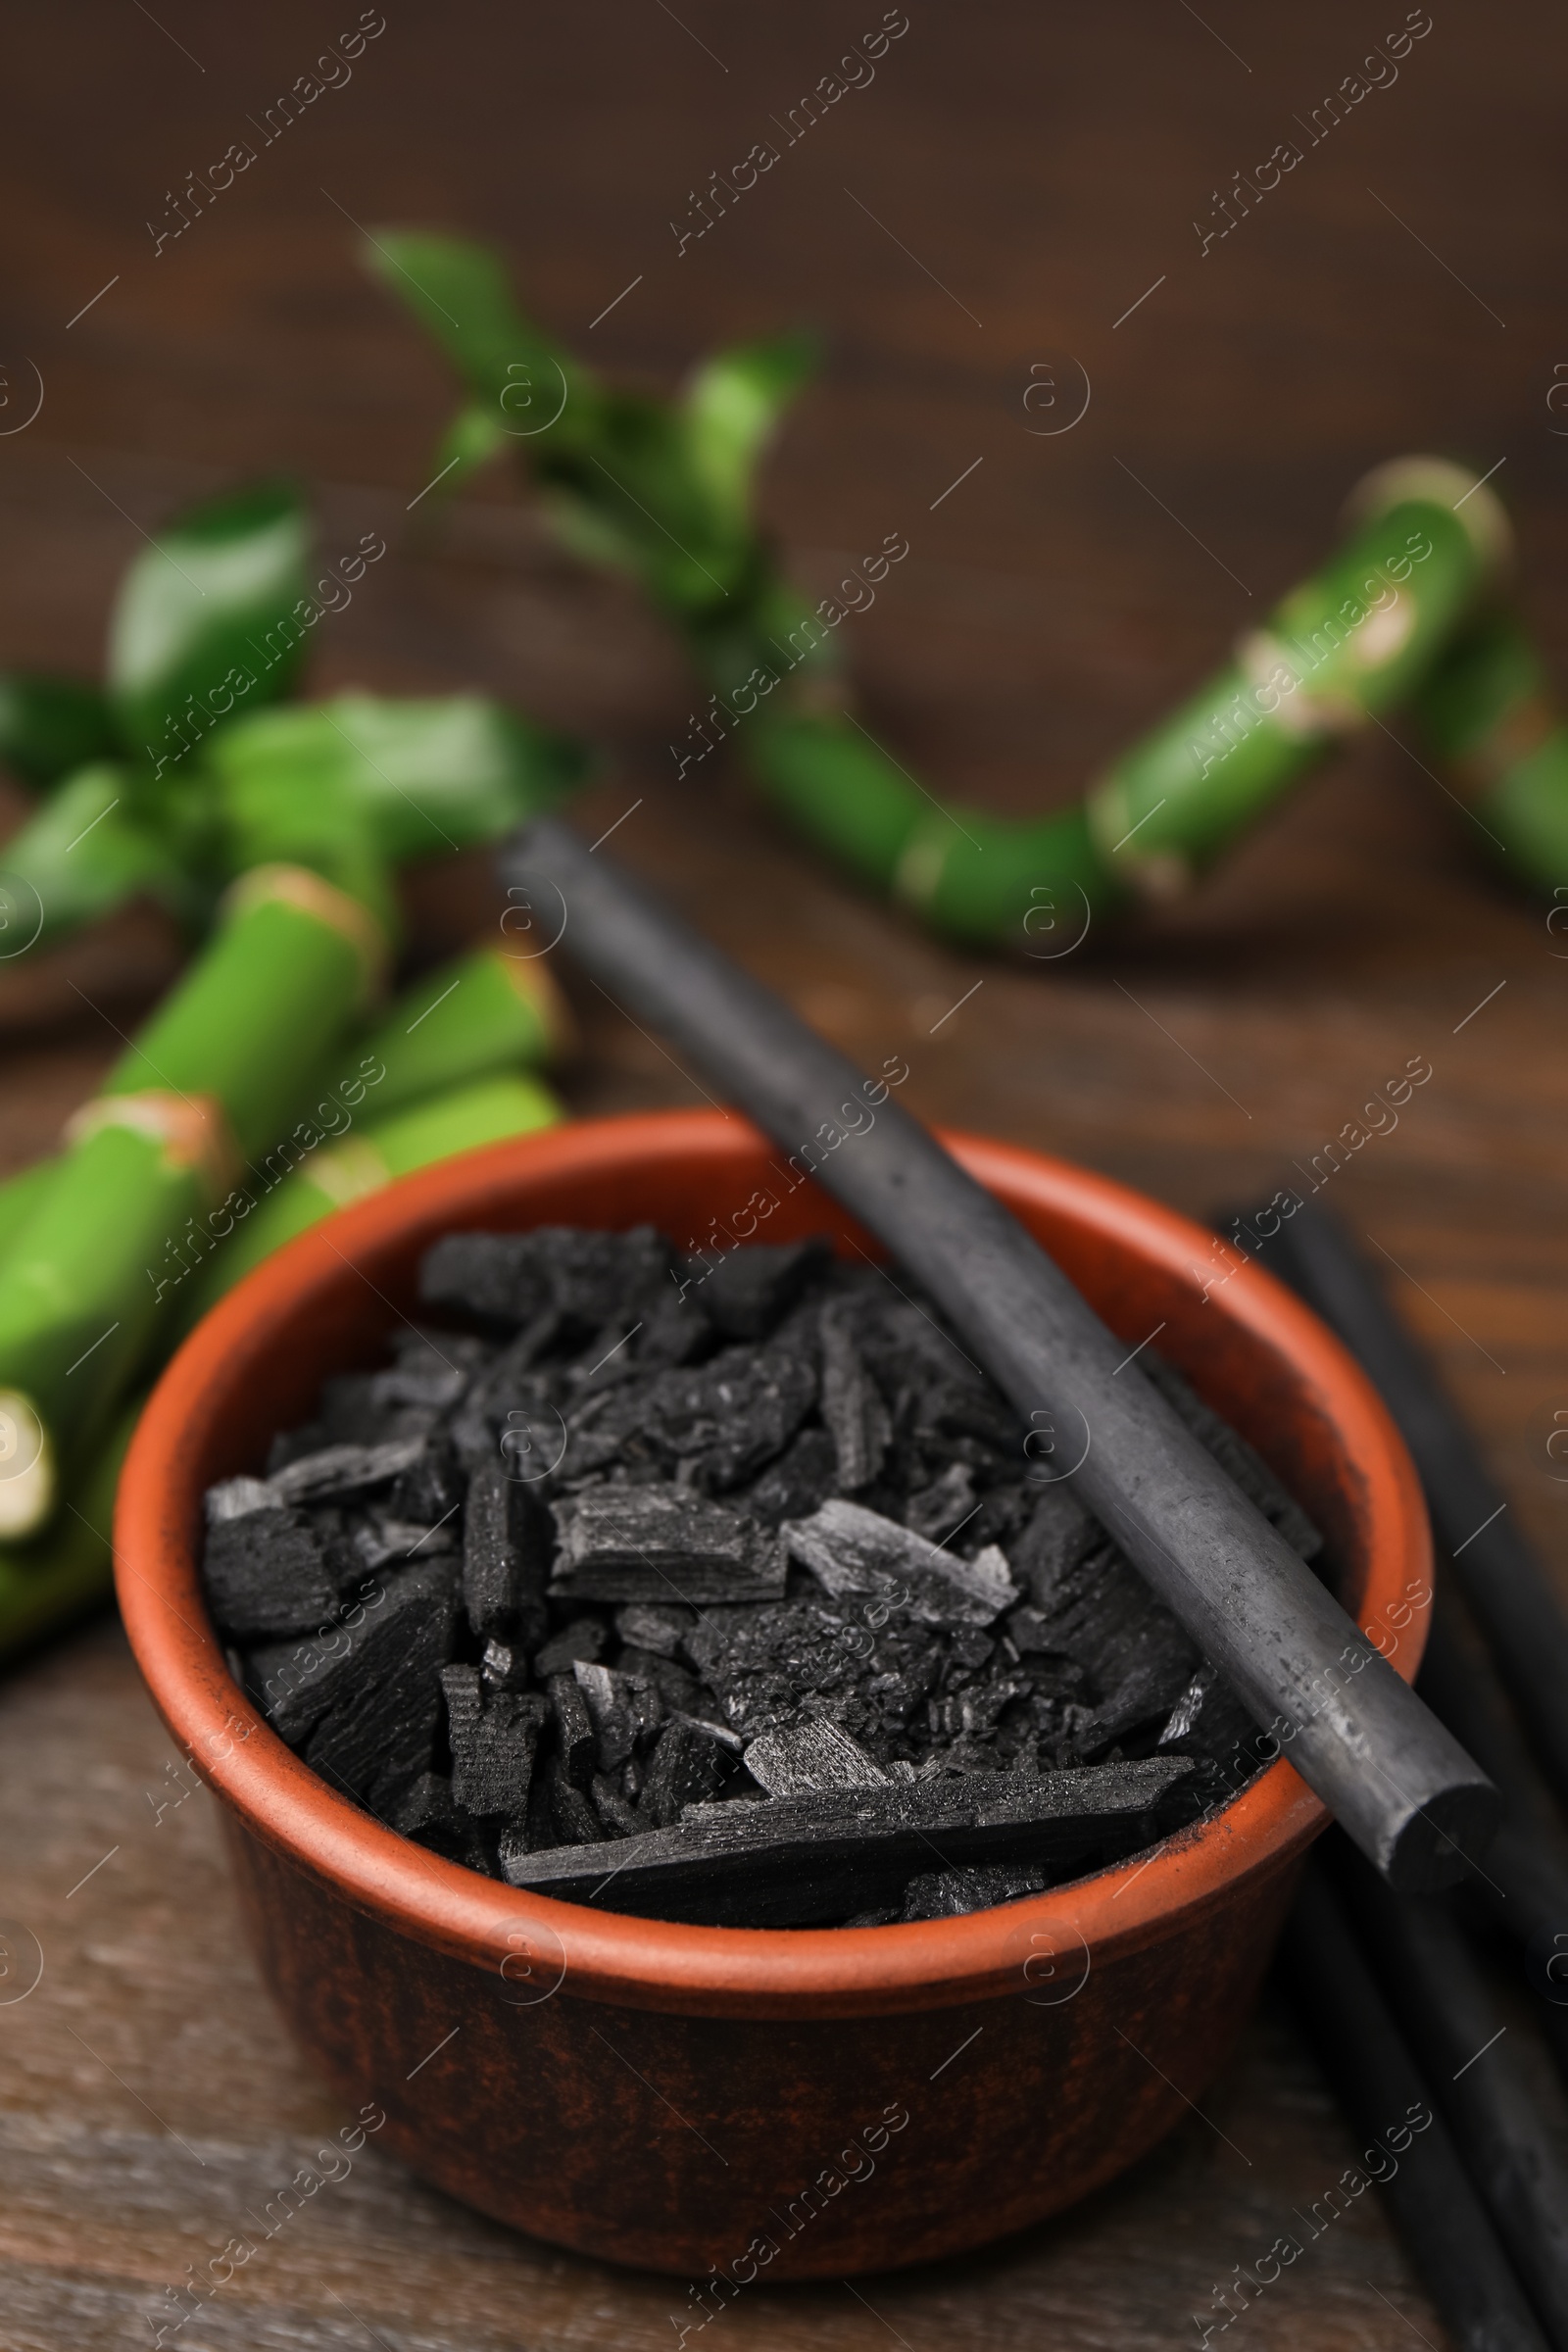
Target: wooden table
{"points": [[1015, 192]]}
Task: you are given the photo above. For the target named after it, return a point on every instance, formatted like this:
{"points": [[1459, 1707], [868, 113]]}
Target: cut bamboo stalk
{"points": [[208, 1083]]}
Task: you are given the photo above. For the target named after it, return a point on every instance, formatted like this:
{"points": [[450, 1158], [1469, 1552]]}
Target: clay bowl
{"points": [[700, 2100]]}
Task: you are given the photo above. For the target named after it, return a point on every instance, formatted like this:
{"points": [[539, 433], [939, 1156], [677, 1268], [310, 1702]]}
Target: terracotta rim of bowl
{"points": [[537, 1942]]}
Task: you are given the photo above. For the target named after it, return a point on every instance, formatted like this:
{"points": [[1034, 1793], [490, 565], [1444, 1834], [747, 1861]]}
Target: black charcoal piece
{"points": [[622, 1709], [426, 1813], [505, 1559], [429, 1491], [493, 1736], [583, 1638], [677, 1686], [719, 1733], [1100, 1613], [646, 1626], [718, 1422], [1058, 1532], [268, 1575], [383, 1694], [852, 1407], [572, 1813], [618, 1815], [765, 1662], [686, 1766], [340, 1471], [511, 1278], [951, 1893], [381, 1539], [791, 1487], [431, 1369], [744, 1292], [503, 1667], [500, 1278], [790, 1860], [576, 1740], [808, 1756], [661, 1544], [236, 1498], [941, 1509], [853, 1551]]}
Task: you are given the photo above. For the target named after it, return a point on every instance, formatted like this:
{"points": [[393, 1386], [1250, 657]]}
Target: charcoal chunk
{"points": [[583, 1638], [853, 1405], [716, 1423], [236, 1498], [618, 1815], [647, 1626], [382, 1539], [686, 1766], [508, 1278], [804, 1476], [658, 1544], [951, 1893], [1101, 1614], [773, 1666], [793, 1860], [939, 1510], [747, 1290], [426, 1813], [505, 1559], [431, 1490], [1060, 1532], [572, 1812], [851, 1549], [622, 1709], [376, 1704], [338, 1471], [268, 1575], [576, 1739], [493, 1736], [810, 1756]]}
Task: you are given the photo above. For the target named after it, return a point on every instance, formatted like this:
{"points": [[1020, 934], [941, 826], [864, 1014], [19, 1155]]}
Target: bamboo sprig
{"points": [[665, 490]]}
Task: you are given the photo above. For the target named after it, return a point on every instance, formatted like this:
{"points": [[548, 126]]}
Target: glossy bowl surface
{"points": [[762, 2103]]}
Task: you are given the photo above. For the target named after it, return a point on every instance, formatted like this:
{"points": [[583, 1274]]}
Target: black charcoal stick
{"points": [[1525, 1625], [1400, 1784], [1452, 2241]]}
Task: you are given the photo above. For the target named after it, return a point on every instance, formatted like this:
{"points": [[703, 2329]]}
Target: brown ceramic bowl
{"points": [[769, 2103]]}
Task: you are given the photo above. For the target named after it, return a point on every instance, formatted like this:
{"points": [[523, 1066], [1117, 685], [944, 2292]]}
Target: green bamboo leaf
{"points": [[459, 294], [88, 848], [732, 408], [49, 726], [422, 777], [207, 621]]}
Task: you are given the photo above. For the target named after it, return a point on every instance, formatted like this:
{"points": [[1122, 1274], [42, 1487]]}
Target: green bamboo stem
{"points": [[1488, 713], [209, 1080], [21, 1196], [483, 1012], [665, 490], [46, 1584], [1345, 644], [488, 1110]]}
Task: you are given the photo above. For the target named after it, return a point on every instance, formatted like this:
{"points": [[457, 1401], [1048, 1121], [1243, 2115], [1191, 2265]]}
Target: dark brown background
{"points": [[1045, 165]]}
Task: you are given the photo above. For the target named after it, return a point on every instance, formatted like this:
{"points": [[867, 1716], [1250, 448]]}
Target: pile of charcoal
{"points": [[720, 1590]]}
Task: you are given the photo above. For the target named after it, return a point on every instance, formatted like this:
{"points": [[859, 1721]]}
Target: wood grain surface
{"points": [[1013, 180]]}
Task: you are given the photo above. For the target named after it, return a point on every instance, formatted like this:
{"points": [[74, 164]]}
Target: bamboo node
{"points": [[192, 1130], [312, 895]]}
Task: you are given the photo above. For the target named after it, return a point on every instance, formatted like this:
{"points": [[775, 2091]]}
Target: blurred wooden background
{"points": [[1013, 180]]}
